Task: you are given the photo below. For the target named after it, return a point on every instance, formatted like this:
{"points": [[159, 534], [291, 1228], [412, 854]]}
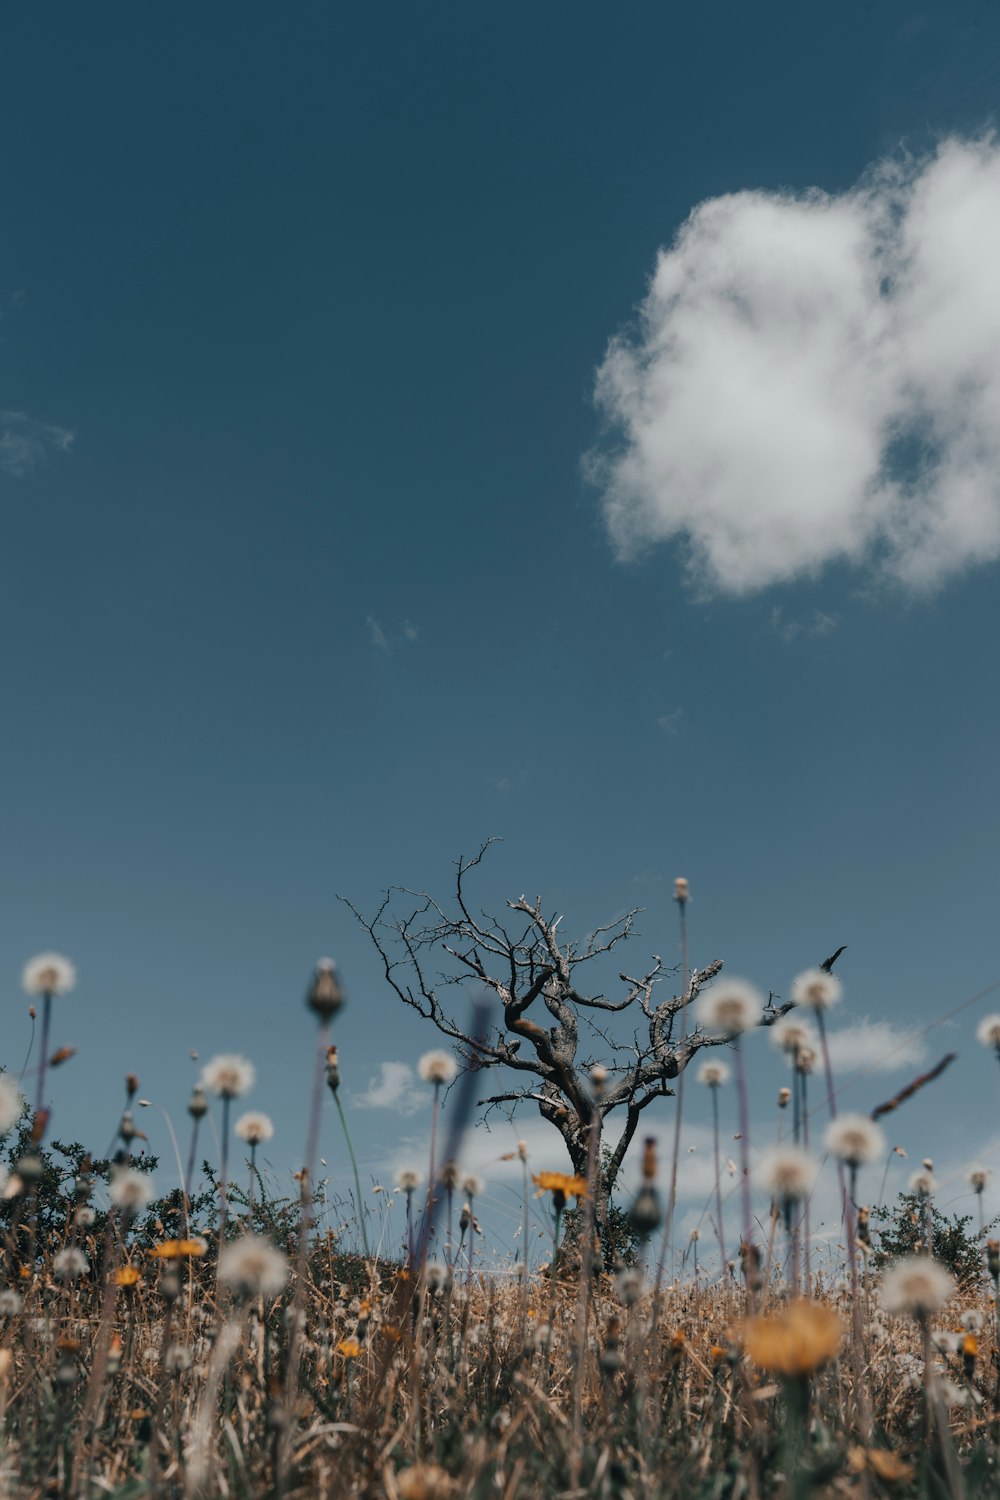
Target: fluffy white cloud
{"points": [[23, 441], [394, 1087], [816, 378], [877, 1046]]}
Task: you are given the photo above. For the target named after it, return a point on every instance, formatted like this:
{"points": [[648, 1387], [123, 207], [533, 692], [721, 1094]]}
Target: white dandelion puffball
{"points": [[923, 1183], [791, 1034], [253, 1267], [806, 1059], [854, 1139], [979, 1178], [70, 1263], [916, 1286], [733, 1007], [48, 974], [816, 989], [11, 1104], [408, 1179], [988, 1031], [229, 1075], [473, 1186], [131, 1191], [437, 1067], [787, 1173], [713, 1074], [254, 1127]]}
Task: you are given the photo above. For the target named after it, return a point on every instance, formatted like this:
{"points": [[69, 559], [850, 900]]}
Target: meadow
{"points": [[229, 1341]]}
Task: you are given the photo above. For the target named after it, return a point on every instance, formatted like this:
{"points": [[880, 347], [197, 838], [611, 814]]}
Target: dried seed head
{"points": [[325, 996], [48, 974]]}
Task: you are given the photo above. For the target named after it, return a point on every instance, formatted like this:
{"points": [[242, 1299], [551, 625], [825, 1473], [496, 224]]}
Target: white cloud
{"points": [[395, 1087], [24, 441], [376, 634], [877, 1046], [816, 379]]}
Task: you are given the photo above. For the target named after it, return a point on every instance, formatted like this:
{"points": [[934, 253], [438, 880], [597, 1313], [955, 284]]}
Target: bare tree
{"points": [[525, 963]]}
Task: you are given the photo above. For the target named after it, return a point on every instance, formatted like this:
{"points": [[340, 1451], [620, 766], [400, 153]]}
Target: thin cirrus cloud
{"points": [[24, 441], [394, 1087], [815, 379], [876, 1046]]}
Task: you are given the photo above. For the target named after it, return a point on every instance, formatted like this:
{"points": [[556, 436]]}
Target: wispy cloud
{"points": [[879, 1045], [819, 624], [383, 641], [670, 723], [394, 1087], [376, 634], [815, 378], [24, 441]]}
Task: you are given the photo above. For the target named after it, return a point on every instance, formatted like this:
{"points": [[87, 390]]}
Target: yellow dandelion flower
{"points": [[794, 1342], [176, 1249], [127, 1276], [349, 1348], [569, 1184]]}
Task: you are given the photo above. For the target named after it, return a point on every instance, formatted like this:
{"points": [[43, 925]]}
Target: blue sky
{"points": [[311, 576]]}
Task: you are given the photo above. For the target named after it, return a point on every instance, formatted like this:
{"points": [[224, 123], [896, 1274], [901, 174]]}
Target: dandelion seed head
{"points": [[253, 1267], [732, 1008], [988, 1031], [854, 1139], [979, 1178], [473, 1185], [787, 1173], [11, 1104], [816, 989], [131, 1191], [408, 1179], [70, 1263], [254, 1127], [11, 1303], [437, 1067], [177, 1359], [713, 1074], [792, 1033], [229, 1075], [923, 1183], [916, 1287], [48, 974]]}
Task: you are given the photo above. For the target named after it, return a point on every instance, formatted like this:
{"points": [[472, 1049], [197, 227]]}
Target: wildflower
{"points": [[48, 974], [325, 996], [127, 1276], [229, 1075], [349, 1348], [332, 1070], [978, 1179], [923, 1184], [794, 1342], [560, 1184], [408, 1179], [816, 989], [784, 1098], [437, 1067], [680, 889], [424, 1482], [11, 1303], [473, 1186], [177, 1249], [629, 1285], [713, 1074], [253, 1267], [988, 1032], [971, 1320], [791, 1033], [197, 1104], [806, 1059], [254, 1127], [11, 1105], [70, 1263], [855, 1139], [451, 1176], [733, 1008], [84, 1216], [787, 1173], [177, 1359], [131, 1191], [916, 1286], [438, 1276]]}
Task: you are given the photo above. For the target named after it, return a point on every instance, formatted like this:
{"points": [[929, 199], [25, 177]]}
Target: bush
{"points": [[955, 1245]]}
